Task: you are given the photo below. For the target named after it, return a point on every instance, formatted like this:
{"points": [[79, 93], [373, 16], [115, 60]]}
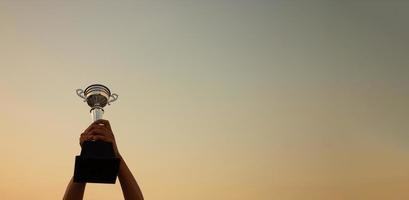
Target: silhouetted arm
{"points": [[130, 188], [74, 191]]}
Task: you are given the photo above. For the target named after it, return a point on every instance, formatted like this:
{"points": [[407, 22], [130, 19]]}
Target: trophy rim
{"points": [[86, 91]]}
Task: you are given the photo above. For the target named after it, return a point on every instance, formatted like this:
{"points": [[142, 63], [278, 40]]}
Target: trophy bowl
{"points": [[97, 97]]}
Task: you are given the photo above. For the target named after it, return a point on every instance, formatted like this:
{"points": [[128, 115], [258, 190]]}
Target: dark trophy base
{"points": [[96, 164]]}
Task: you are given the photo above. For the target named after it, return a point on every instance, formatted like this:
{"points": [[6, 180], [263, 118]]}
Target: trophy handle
{"points": [[80, 93], [114, 98]]}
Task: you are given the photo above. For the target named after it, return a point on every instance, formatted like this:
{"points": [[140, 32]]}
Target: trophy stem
{"points": [[96, 113]]}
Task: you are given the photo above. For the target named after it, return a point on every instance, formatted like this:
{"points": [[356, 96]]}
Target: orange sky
{"points": [[217, 100]]}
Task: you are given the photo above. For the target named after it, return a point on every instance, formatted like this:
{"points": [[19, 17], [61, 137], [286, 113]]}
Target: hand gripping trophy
{"points": [[97, 162]]}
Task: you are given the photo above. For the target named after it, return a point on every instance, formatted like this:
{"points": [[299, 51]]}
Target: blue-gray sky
{"points": [[218, 99]]}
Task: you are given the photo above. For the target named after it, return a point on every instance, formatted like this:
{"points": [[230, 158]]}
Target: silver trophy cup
{"points": [[97, 96], [97, 162]]}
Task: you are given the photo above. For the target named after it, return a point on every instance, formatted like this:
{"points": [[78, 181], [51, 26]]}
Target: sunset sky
{"points": [[221, 100]]}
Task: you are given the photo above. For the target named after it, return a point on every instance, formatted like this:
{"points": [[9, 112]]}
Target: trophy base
{"points": [[96, 170], [96, 164]]}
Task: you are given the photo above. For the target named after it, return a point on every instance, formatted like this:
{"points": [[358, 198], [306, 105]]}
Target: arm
{"points": [[74, 191], [130, 188]]}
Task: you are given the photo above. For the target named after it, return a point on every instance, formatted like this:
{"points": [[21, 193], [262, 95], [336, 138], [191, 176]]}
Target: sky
{"points": [[227, 99]]}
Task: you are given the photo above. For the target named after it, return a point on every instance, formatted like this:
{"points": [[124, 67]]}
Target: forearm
{"points": [[130, 187], [74, 191]]}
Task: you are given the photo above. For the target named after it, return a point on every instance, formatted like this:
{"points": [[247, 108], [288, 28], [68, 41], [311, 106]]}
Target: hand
{"points": [[99, 130]]}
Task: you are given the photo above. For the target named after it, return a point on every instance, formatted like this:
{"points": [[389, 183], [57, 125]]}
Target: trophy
{"points": [[97, 162]]}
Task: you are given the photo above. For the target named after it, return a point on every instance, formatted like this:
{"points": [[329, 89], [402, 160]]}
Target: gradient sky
{"points": [[226, 99]]}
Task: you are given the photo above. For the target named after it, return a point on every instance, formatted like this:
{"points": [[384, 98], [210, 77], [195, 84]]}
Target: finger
{"points": [[104, 122], [101, 132], [98, 123], [101, 138], [83, 135], [99, 128], [89, 128], [96, 132], [83, 138]]}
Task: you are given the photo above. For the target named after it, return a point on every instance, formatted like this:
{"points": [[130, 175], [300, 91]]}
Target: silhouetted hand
{"points": [[100, 130]]}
